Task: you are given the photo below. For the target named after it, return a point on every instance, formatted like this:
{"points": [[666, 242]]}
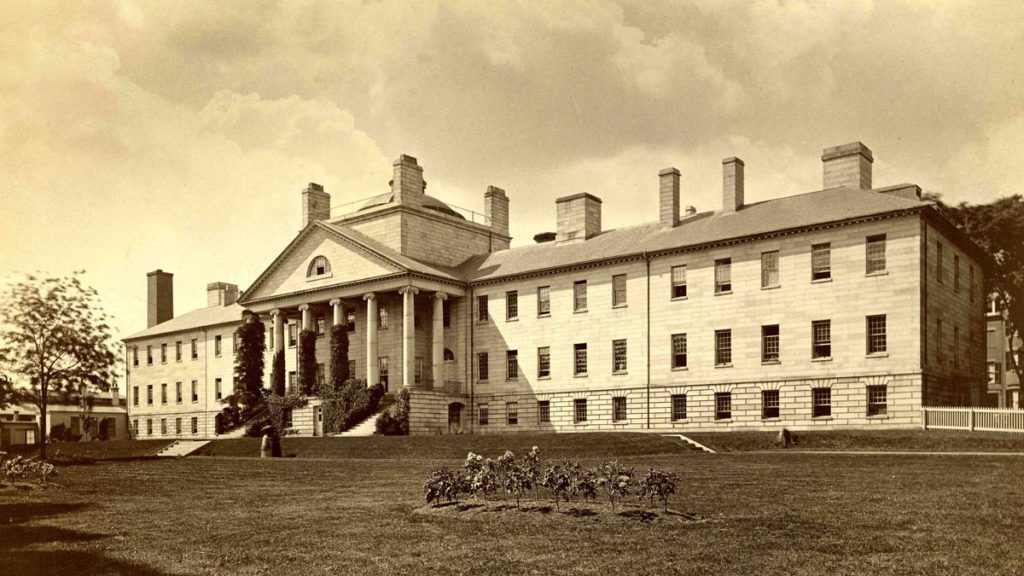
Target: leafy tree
{"points": [[658, 485], [998, 228], [249, 363], [277, 373], [339, 356], [307, 362], [8, 393], [54, 334]]}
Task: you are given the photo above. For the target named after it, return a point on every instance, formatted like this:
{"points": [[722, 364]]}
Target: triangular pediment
{"points": [[349, 262]]}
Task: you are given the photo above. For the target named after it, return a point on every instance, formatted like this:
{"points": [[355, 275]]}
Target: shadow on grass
{"points": [[579, 512], [63, 562], [19, 512], [17, 535], [641, 515]]}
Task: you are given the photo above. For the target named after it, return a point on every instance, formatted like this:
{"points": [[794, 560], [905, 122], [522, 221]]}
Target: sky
{"points": [[179, 135]]}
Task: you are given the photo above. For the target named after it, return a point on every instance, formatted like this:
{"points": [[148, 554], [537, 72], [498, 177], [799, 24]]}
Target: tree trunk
{"points": [[42, 424]]}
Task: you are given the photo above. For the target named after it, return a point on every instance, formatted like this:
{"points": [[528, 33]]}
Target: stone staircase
{"points": [[365, 428], [180, 448], [693, 444]]}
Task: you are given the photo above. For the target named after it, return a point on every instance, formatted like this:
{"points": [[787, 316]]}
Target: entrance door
{"points": [[450, 370], [454, 417], [318, 421]]}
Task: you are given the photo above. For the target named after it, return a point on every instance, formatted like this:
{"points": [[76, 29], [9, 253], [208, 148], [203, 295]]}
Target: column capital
{"points": [[408, 289], [335, 302], [276, 312], [369, 296], [441, 295], [303, 307]]}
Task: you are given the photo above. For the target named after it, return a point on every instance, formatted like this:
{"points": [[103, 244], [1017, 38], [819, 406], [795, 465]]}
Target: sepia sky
{"points": [[178, 135]]}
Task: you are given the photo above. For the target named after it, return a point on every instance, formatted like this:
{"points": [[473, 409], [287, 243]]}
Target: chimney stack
{"points": [[221, 294], [848, 165], [159, 297], [408, 186], [732, 184], [496, 209], [579, 217], [668, 197], [316, 204]]}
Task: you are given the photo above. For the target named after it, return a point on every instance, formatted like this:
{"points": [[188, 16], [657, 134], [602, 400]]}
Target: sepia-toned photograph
{"points": [[454, 287]]}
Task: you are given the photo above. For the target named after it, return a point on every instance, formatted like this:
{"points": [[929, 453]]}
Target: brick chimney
{"points": [[221, 294], [579, 217], [848, 165], [408, 186], [316, 204], [159, 297], [732, 184], [668, 197], [496, 209]]}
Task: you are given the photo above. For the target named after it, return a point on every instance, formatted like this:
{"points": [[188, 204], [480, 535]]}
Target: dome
{"points": [[429, 202]]}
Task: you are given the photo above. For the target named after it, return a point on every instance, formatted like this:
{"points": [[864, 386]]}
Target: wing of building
{"points": [[850, 306]]}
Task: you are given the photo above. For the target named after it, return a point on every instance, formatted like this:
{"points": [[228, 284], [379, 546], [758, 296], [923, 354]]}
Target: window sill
{"points": [[723, 420], [821, 418], [729, 365], [516, 319], [772, 419], [620, 423], [821, 281], [723, 293], [481, 322], [822, 359], [548, 315], [511, 379], [876, 273], [543, 377], [679, 421], [617, 306], [770, 362], [483, 381], [620, 373], [774, 287], [878, 416], [678, 298], [583, 423], [680, 369], [877, 355], [579, 375], [580, 311]]}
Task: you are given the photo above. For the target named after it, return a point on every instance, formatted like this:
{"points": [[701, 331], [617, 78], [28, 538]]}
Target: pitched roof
{"points": [[770, 216], [396, 258], [193, 320]]}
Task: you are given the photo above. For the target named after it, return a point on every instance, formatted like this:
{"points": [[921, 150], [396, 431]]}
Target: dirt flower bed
{"points": [[591, 511]]}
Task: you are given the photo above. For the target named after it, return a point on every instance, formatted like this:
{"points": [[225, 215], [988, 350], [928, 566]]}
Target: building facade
{"points": [[850, 306], [1003, 383]]}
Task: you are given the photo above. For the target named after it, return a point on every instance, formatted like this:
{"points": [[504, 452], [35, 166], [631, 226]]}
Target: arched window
{"points": [[448, 356], [318, 267]]}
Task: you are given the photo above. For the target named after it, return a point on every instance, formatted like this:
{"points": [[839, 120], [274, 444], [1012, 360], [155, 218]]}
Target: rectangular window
{"points": [[956, 346], [149, 394], [352, 369], [770, 343], [678, 407], [956, 272], [769, 404], [723, 405], [481, 308], [619, 290], [163, 393], [821, 261], [512, 413], [874, 256], [135, 427], [195, 425], [544, 301], [177, 351], [163, 353], [938, 262], [350, 320], [293, 330], [195, 348], [512, 305], [579, 410], [544, 411], [270, 337], [418, 374], [723, 347], [482, 367], [163, 426], [821, 335], [135, 396], [618, 356], [286, 418], [483, 414], [383, 318], [679, 281], [821, 402], [382, 370], [135, 355], [877, 400], [938, 340], [618, 408], [321, 326], [770, 269], [579, 296], [579, 359], [177, 392], [149, 355], [291, 382], [543, 362], [320, 375], [216, 345], [195, 391], [177, 426], [217, 389], [149, 427], [679, 350], [512, 365], [876, 334], [723, 276]]}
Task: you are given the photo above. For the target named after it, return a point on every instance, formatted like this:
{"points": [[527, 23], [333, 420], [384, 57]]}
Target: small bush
{"points": [[57, 432], [444, 484], [615, 480], [21, 468], [658, 485]]}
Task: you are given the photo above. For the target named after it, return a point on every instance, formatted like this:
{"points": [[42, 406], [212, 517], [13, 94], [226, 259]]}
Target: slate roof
{"points": [[193, 320], [778, 215]]}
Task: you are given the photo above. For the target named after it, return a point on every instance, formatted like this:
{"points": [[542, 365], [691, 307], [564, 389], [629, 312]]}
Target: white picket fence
{"points": [[981, 419]]}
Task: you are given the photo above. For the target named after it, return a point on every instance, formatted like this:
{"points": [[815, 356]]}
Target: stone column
{"points": [[307, 316], [279, 343], [408, 334], [437, 341], [372, 377], [339, 312]]}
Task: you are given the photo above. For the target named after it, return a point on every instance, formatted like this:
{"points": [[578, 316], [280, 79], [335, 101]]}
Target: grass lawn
{"points": [[871, 440], [778, 513], [109, 450]]}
